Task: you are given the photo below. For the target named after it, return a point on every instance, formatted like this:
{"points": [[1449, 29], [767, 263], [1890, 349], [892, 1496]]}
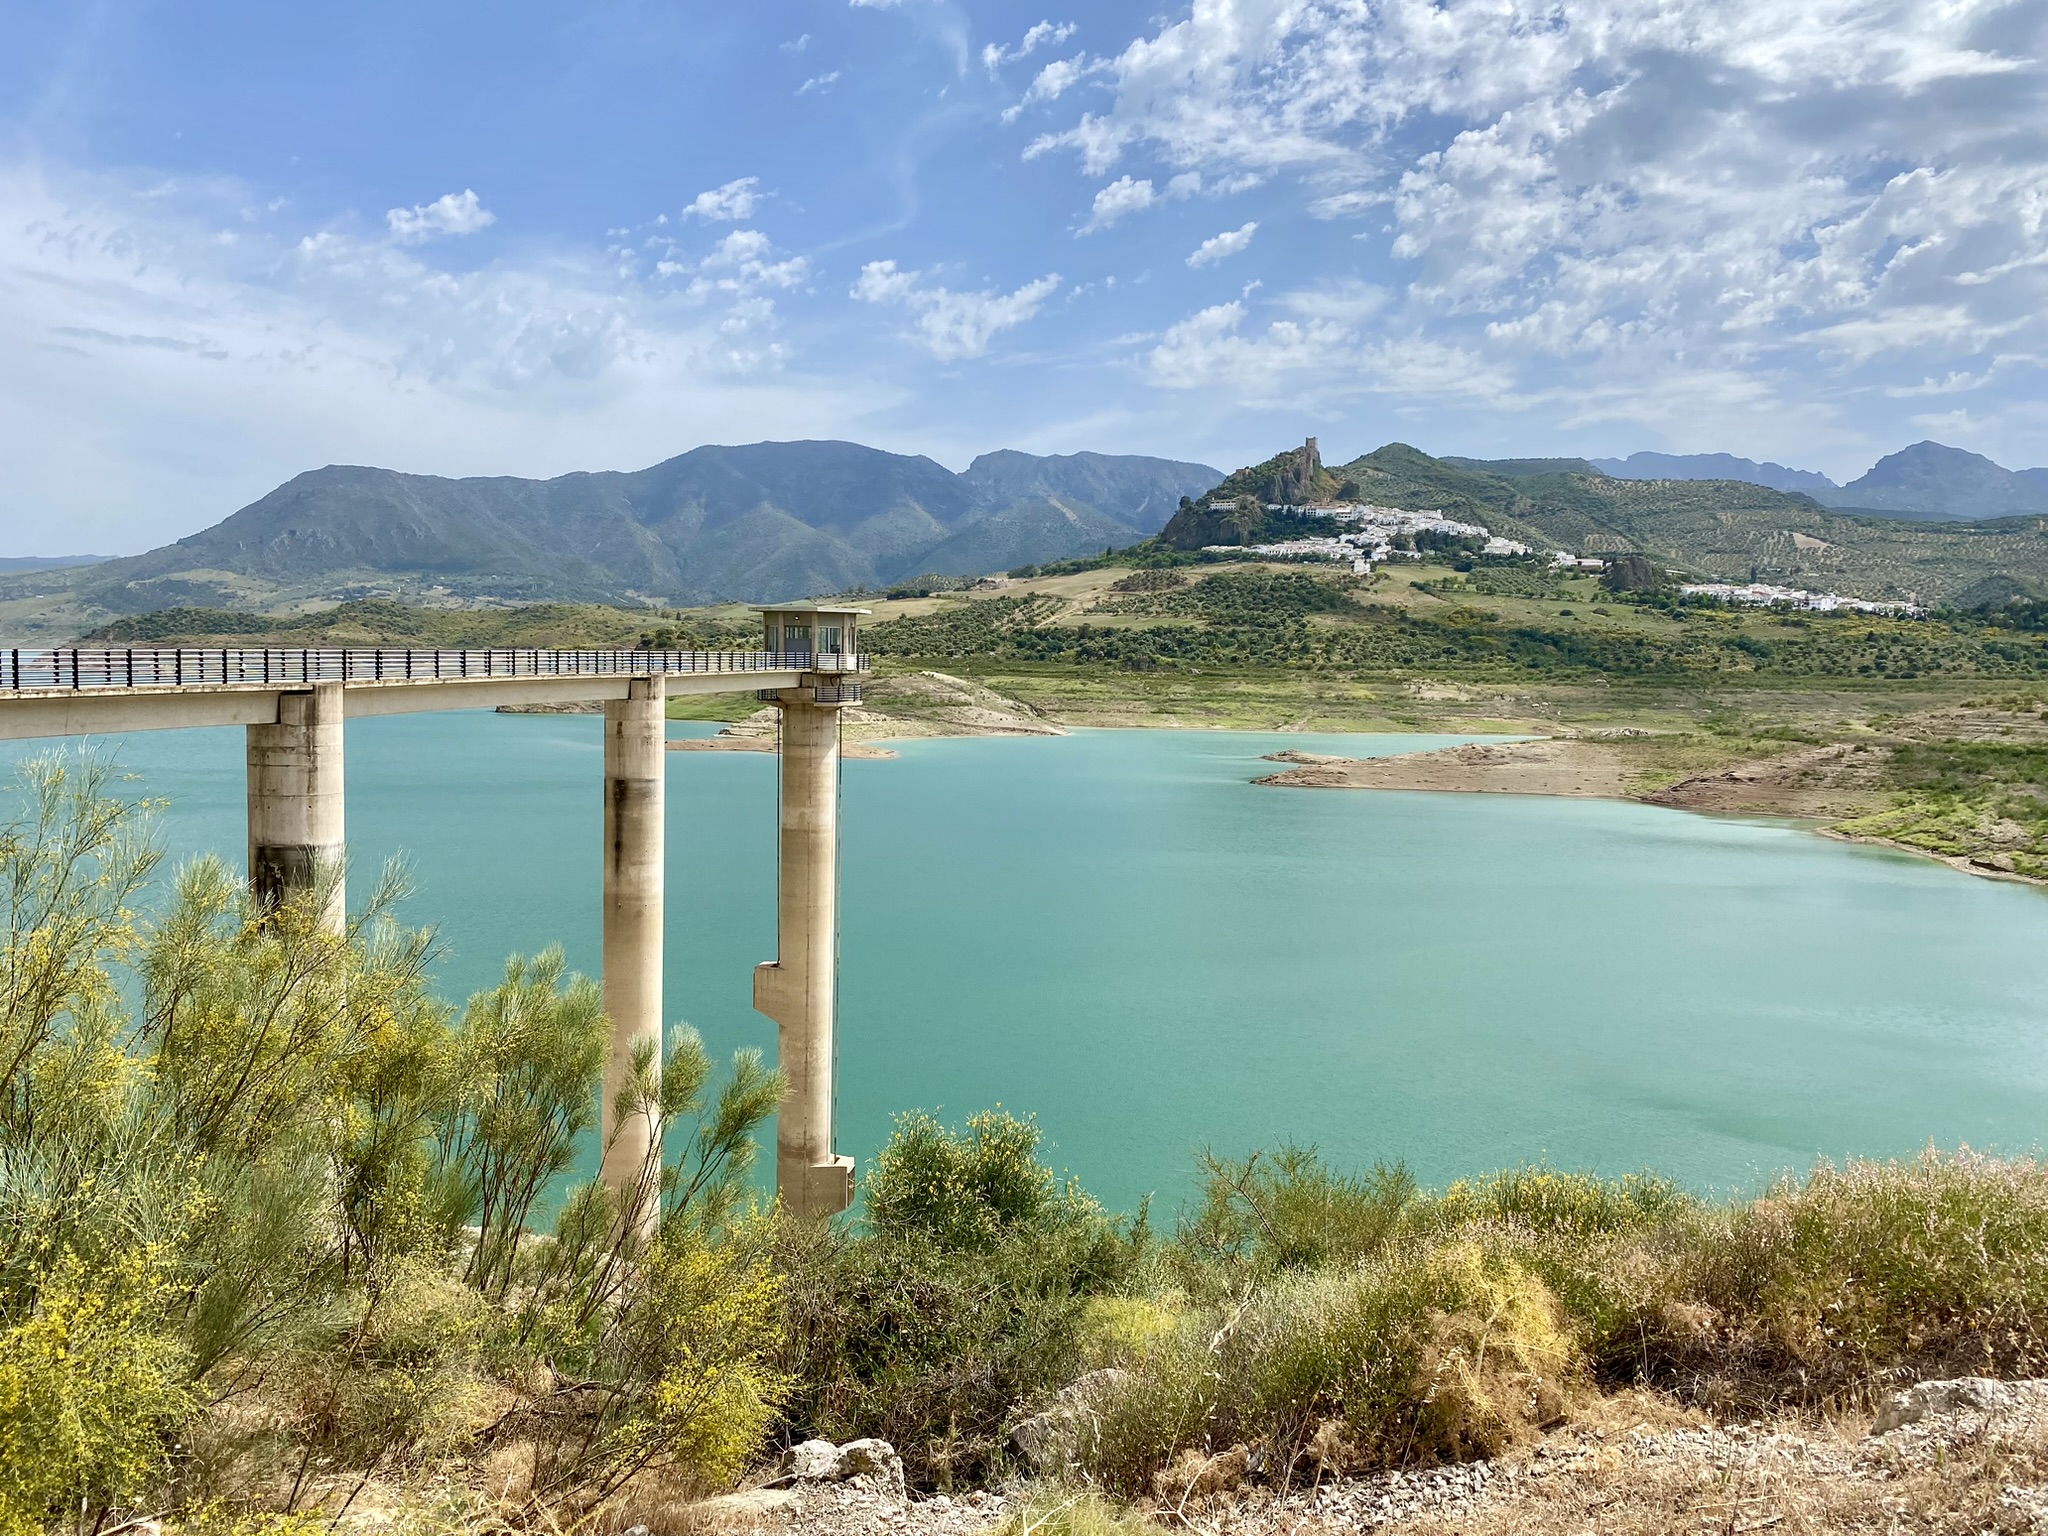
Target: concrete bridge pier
{"points": [[635, 779], [797, 989], [295, 802]]}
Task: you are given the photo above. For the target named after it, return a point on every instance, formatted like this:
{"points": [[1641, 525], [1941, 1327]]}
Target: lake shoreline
{"points": [[1576, 768]]}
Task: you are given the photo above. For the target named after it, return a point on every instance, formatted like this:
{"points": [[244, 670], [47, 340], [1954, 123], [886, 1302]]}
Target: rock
{"points": [[820, 1461], [873, 1458], [1966, 1394], [814, 1461]]}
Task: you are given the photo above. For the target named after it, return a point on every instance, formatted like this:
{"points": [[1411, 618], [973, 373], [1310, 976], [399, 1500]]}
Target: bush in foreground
{"points": [[270, 1213]]}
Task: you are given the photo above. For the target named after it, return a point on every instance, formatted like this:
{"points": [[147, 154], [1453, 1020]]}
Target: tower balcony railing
{"points": [[103, 667]]}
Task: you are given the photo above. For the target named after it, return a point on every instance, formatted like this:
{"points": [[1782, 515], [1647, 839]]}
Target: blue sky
{"points": [[242, 240]]}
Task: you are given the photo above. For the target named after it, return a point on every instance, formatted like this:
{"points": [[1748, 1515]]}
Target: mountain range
{"points": [[770, 521], [1712, 466], [1929, 481], [760, 522]]}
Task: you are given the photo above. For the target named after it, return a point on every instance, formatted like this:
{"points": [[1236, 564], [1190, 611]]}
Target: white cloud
{"points": [[727, 204], [453, 213], [818, 84], [743, 263], [1208, 348], [1218, 247], [1122, 196], [797, 44], [1054, 81], [1808, 195], [1044, 34], [952, 325], [156, 379], [1317, 357]]}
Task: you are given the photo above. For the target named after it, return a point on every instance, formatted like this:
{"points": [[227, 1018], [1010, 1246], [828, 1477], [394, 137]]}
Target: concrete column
{"points": [[797, 989], [635, 773], [295, 801]]}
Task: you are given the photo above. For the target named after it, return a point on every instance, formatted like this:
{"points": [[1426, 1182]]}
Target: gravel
{"points": [[1747, 1477]]}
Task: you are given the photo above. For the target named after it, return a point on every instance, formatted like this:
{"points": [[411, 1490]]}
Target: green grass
{"points": [[1982, 801]]}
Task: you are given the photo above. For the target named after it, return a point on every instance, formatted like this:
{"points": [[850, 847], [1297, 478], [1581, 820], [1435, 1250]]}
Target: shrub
{"points": [[92, 1382], [928, 1347], [683, 1382], [963, 1298], [394, 1376], [1540, 1199], [530, 1050], [242, 1172], [1118, 1330], [965, 1189], [1862, 1274], [1432, 1352], [1287, 1209]]}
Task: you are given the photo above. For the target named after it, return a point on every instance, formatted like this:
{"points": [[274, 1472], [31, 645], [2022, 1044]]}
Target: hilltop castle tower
{"points": [[1295, 485]]}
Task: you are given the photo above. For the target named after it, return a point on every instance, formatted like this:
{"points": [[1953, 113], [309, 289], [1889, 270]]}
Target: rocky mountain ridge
{"points": [[1933, 481], [758, 522]]}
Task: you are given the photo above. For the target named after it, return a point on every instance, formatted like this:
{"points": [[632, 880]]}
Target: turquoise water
{"points": [[1118, 931]]}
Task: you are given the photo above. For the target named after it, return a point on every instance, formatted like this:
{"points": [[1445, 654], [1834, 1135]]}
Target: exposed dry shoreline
{"points": [[1826, 783], [1542, 767], [916, 704]]}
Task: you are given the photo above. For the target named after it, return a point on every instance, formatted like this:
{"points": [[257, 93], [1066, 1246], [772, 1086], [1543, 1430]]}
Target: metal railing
{"points": [[215, 667]]}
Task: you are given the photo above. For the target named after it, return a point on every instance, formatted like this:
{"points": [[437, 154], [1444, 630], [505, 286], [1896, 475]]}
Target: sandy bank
{"points": [[1826, 783], [1581, 768], [916, 704]]}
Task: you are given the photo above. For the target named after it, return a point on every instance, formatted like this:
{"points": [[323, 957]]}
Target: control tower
{"points": [[798, 988]]}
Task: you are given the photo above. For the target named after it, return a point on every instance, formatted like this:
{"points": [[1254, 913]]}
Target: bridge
{"points": [[294, 703]]}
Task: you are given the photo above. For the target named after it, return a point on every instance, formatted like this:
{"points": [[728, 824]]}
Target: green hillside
{"points": [[1723, 529]]}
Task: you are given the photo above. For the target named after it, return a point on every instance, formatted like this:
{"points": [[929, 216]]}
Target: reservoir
{"points": [[1119, 932]]}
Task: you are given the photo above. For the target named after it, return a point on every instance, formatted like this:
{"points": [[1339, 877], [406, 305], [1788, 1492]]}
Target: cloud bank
{"points": [[1768, 199]]}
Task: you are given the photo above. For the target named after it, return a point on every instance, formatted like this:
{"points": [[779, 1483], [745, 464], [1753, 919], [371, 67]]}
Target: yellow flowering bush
{"points": [[91, 1382]]}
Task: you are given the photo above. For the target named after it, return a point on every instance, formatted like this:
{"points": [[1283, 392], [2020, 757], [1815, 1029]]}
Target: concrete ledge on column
{"points": [[828, 1187], [775, 992]]}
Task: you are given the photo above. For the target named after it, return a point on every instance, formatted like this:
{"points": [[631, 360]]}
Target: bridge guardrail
{"points": [[217, 666]]}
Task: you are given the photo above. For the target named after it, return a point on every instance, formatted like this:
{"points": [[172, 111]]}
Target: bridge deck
{"points": [[82, 690]]}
